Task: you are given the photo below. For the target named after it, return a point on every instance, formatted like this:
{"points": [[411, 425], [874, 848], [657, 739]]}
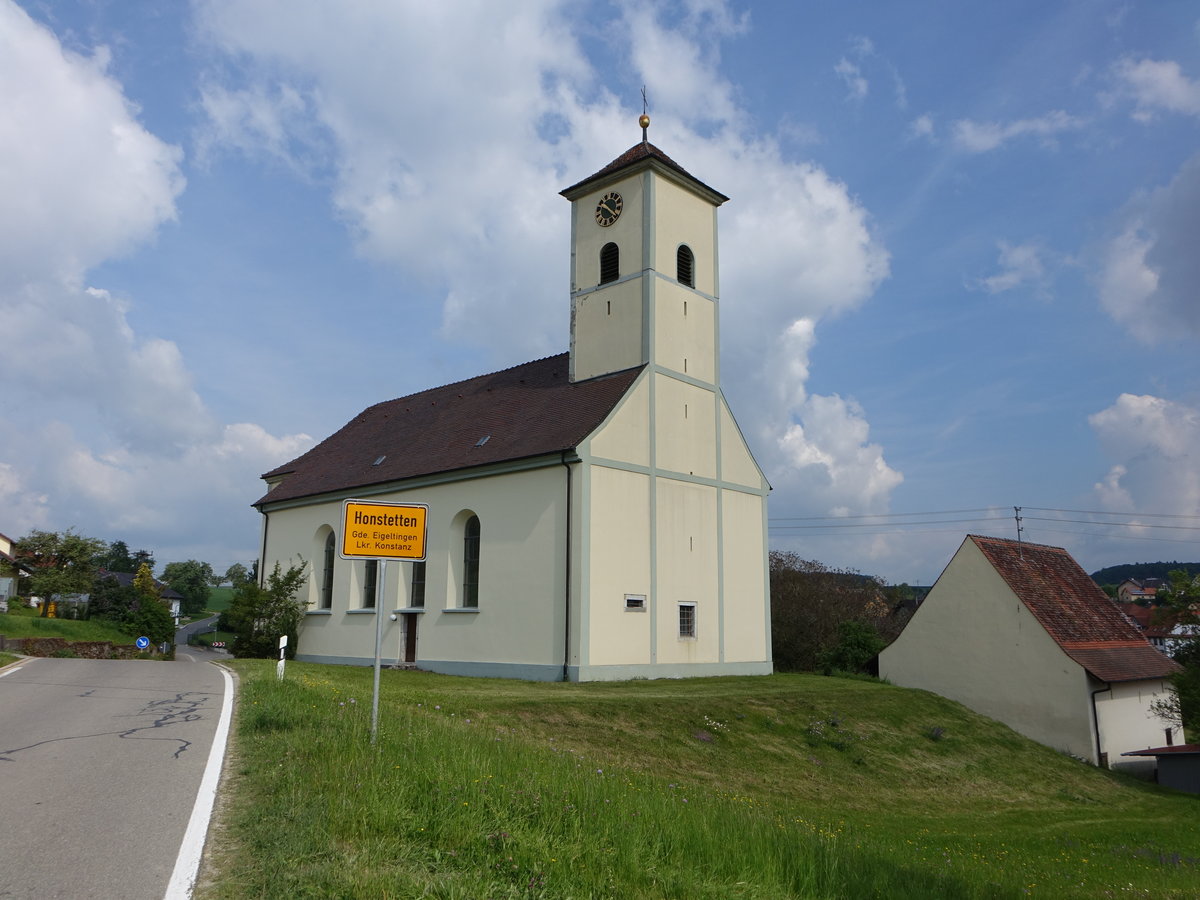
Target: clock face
{"points": [[608, 210]]}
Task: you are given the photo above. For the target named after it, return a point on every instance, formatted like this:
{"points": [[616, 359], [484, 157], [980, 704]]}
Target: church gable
{"points": [[625, 435], [737, 463]]}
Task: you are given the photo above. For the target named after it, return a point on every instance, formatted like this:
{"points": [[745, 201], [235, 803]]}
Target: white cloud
{"points": [[981, 137], [82, 180], [857, 86], [112, 438], [1156, 443], [921, 126], [456, 180], [862, 49], [1150, 275], [1158, 85], [1021, 265]]}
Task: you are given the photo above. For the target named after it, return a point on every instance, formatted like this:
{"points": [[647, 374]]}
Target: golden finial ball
{"points": [[644, 121]]}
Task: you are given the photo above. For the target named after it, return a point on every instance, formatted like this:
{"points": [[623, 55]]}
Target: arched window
{"points": [[327, 574], [610, 263], [470, 595], [370, 583], [685, 268], [416, 595]]}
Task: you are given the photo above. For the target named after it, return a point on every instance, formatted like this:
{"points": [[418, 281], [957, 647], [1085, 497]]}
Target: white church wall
{"points": [[626, 434], [618, 565], [744, 578], [685, 331], [626, 232], [737, 464], [519, 623], [607, 330], [686, 556], [683, 218], [685, 425]]}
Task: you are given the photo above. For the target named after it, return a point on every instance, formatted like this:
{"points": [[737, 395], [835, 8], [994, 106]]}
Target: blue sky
{"points": [[959, 266]]}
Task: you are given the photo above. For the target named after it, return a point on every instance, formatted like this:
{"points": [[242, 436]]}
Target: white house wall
{"points": [[974, 641], [1127, 723], [518, 628]]}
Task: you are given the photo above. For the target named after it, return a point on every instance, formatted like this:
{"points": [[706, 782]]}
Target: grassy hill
{"points": [[787, 786], [22, 622], [218, 599]]}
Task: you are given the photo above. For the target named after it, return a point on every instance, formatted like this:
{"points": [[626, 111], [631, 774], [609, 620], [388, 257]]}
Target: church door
{"points": [[410, 637]]}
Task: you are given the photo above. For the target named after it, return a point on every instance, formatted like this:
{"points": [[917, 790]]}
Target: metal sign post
{"points": [[379, 583], [380, 531]]}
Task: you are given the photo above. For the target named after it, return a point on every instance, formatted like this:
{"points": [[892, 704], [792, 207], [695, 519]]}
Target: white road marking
{"points": [[187, 864]]}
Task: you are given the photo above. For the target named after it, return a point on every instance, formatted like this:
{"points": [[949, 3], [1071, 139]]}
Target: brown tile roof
{"points": [[528, 410], [1074, 611], [634, 155]]}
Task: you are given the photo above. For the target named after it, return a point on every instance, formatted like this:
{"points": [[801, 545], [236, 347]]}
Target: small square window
{"points": [[687, 620], [635, 603]]}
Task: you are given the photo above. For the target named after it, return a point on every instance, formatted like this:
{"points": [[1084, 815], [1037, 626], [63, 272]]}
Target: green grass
{"points": [[218, 600], [20, 622], [6, 658], [787, 786]]}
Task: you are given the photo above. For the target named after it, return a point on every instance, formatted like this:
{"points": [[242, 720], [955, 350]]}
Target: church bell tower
{"points": [[644, 275]]}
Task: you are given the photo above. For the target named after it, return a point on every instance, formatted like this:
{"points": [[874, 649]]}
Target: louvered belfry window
{"points": [[685, 266], [610, 263]]}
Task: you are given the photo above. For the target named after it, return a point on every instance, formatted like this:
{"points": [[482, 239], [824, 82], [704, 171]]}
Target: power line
{"points": [[895, 525], [1095, 512], [1112, 524], [940, 512]]}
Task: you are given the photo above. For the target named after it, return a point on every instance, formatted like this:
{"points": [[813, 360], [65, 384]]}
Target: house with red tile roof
{"points": [[594, 515], [1020, 633]]}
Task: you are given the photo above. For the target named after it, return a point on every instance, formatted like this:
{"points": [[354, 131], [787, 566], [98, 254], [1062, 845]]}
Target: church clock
{"points": [[608, 210]]}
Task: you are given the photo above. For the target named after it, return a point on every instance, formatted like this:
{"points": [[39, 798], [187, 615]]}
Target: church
{"points": [[595, 515]]}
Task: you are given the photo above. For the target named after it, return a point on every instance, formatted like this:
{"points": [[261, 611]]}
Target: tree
{"points": [[809, 603], [858, 644], [60, 563], [192, 580], [118, 558], [111, 601], [236, 574], [137, 609], [259, 615], [150, 616]]}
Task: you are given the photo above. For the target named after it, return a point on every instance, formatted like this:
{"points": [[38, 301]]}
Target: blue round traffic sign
{"points": [[143, 642]]}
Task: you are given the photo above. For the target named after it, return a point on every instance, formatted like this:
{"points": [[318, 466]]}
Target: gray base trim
{"points": [[345, 660], [549, 672], [318, 612], [670, 670], [365, 611]]}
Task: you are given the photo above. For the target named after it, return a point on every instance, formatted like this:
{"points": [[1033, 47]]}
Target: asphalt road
{"points": [[100, 762]]}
